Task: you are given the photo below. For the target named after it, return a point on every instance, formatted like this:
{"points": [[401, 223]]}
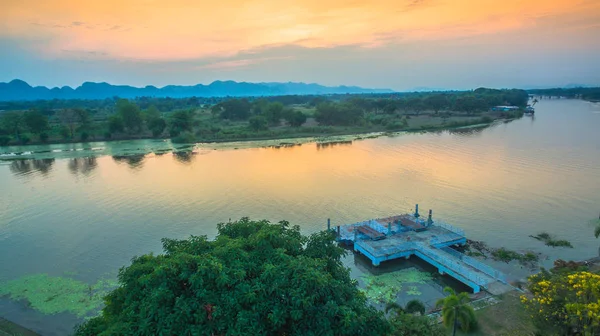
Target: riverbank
{"points": [[160, 146], [241, 131]]}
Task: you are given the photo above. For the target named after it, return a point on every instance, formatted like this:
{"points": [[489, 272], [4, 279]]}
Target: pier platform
{"points": [[406, 235]]}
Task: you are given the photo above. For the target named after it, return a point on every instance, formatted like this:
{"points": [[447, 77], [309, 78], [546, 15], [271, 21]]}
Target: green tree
{"points": [[36, 122], [74, 118], [258, 123], [235, 109], [456, 312], [295, 118], [255, 278], [274, 113], [436, 102], [181, 121], [415, 306], [405, 324], [342, 114], [13, 123], [131, 115], [415, 104], [409, 325], [412, 307], [155, 123], [115, 124]]}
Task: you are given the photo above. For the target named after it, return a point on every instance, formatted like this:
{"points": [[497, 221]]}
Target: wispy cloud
{"points": [[239, 63]]}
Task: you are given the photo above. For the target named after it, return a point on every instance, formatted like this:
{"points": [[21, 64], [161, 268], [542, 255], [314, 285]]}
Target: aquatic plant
{"points": [[507, 255], [384, 288], [52, 295], [413, 290], [550, 241]]}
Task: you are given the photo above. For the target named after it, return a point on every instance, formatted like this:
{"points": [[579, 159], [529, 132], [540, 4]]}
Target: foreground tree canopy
{"points": [[255, 278]]}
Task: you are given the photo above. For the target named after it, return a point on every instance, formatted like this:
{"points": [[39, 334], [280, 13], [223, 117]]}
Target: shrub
{"points": [[185, 137], [25, 139], [4, 140]]}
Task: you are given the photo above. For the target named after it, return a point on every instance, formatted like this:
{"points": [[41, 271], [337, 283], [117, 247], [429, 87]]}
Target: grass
{"points": [[550, 241], [507, 318]]}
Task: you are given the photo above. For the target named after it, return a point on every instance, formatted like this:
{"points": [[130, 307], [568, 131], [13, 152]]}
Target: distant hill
{"points": [[20, 90]]}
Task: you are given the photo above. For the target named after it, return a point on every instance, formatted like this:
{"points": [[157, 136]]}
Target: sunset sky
{"points": [[400, 44]]}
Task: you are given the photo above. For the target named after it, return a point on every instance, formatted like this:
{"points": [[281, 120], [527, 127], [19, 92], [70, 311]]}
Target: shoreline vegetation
{"points": [[216, 120], [317, 254]]}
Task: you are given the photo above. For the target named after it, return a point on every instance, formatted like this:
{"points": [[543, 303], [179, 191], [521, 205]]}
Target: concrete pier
{"points": [[407, 235]]}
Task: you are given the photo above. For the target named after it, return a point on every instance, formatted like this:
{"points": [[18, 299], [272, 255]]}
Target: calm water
{"points": [[89, 216]]}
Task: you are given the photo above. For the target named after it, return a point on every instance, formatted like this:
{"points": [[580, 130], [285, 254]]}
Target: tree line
{"points": [[187, 119], [581, 92]]}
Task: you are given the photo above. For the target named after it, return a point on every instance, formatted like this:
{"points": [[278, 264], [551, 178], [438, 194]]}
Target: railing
{"points": [[444, 238], [450, 228], [476, 264], [454, 265]]}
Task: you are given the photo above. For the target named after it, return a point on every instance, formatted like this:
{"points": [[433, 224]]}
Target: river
{"points": [[89, 216]]}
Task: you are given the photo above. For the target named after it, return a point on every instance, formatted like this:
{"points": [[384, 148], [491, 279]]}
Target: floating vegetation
{"points": [[385, 288], [413, 290], [550, 241], [507, 256], [52, 295]]}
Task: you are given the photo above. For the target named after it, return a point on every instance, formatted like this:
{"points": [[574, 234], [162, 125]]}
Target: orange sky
{"points": [[183, 30]]}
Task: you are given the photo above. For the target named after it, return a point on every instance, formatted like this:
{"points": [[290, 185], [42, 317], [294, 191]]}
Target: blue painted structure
{"points": [[432, 245]]}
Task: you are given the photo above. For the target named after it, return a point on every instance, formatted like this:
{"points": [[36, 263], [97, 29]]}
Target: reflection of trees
{"points": [[470, 131], [184, 157], [134, 161], [26, 167], [83, 165], [323, 145]]}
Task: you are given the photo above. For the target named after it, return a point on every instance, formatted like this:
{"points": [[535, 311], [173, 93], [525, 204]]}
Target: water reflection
{"points": [[27, 167], [134, 161], [83, 165], [185, 157], [324, 145], [468, 132]]}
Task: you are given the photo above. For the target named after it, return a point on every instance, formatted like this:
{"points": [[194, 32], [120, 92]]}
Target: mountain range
{"points": [[21, 90]]}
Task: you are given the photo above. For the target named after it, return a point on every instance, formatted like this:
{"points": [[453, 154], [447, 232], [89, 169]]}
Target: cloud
{"points": [[189, 30]]}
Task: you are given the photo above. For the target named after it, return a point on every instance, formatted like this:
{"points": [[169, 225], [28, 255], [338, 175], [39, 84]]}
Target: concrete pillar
{"points": [[338, 230], [417, 211], [429, 219], [389, 228], [355, 234], [328, 224]]}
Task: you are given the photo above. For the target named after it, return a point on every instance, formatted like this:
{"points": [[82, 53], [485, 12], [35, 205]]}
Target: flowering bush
{"points": [[565, 303]]}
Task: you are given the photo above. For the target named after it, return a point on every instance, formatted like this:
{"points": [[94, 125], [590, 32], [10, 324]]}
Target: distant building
{"points": [[505, 108]]}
